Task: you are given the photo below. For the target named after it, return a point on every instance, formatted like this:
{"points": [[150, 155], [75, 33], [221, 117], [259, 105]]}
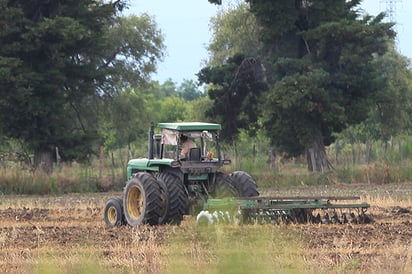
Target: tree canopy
{"points": [[59, 60], [321, 70], [234, 31], [235, 89]]}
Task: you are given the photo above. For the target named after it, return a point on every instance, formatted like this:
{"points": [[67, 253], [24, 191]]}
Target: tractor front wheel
{"points": [[142, 200], [113, 212]]}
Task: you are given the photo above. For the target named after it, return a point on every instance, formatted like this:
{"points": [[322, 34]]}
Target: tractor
{"points": [[166, 185]]}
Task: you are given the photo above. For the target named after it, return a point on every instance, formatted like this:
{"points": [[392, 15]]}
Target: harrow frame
{"points": [[284, 209]]}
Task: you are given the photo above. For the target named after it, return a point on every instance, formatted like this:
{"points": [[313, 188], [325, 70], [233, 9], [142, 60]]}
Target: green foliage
{"points": [[60, 60], [316, 59], [234, 30], [235, 88], [172, 109], [189, 91], [168, 88], [133, 45], [126, 119], [300, 108], [320, 86], [390, 116], [197, 110]]}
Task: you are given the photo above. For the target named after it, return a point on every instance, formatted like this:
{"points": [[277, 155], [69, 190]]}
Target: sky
{"points": [[185, 25]]}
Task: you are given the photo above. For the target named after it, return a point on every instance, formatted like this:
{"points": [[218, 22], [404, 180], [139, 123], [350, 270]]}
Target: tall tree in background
{"points": [[323, 69], [235, 89], [58, 58], [319, 58], [234, 31], [125, 119], [189, 91], [389, 115], [234, 74]]}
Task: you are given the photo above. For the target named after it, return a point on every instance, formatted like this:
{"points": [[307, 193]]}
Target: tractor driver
{"points": [[187, 144]]}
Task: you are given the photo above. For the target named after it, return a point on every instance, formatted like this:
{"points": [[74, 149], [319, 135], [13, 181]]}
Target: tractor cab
{"points": [[203, 137]]}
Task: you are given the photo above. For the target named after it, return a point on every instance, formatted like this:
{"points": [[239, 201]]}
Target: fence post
{"points": [[101, 161]]}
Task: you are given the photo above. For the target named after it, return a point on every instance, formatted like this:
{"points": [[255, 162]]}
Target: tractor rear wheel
{"points": [[223, 186], [142, 200], [176, 199], [113, 212], [244, 184]]}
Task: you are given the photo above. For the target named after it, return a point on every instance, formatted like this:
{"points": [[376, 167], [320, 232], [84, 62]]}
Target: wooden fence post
{"points": [[101, 161]]}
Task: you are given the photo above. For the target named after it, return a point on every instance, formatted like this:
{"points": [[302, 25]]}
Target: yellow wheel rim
{"points": [[135, 202], [112, 214]]}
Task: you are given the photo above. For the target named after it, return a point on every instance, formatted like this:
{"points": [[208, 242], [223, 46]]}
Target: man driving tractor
{"points": [[187, 144]]}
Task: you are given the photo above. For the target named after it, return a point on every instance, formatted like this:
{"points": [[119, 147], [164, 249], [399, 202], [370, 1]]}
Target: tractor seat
{"points": [[194, 154]]}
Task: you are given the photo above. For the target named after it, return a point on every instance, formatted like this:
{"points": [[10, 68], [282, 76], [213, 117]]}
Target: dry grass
{"points": [[66, 234], [63, 179], [234, 249]]}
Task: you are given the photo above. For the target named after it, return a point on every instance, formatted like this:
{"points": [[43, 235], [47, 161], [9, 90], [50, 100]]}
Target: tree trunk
{"points": [[272, 159], [43, 158], [101, 161], [352, 145], [316, 156], [368, 151], [337, 152], [113, 161], [58, 158], [254, 151], [237, 161]]}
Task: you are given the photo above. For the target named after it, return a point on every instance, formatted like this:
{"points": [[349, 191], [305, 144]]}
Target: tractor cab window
{"points": [[172, 142], [169, 143], [205, 141]]}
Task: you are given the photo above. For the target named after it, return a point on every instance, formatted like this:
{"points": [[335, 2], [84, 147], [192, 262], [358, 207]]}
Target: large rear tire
{"points": [[176, 199], [223, 186], [244, 184], [142, 200], [113, 212]]}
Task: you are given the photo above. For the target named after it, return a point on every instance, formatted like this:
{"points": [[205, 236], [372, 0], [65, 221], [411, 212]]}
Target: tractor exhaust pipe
{"points": [[151, 142]]}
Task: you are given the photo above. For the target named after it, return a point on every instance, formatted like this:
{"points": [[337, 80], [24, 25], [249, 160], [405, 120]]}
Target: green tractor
{"points": [[167, 185]]}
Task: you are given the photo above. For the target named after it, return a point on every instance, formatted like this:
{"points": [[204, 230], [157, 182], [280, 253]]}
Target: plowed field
{"points": [[67, 234]]}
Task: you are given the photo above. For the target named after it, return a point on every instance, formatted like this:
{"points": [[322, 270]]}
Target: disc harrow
{"points": [[276, 210]]}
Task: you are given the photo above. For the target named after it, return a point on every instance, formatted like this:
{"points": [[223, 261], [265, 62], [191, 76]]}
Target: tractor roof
{"points": [[187, 126]]}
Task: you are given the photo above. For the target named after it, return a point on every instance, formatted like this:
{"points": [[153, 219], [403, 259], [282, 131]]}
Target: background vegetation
{"points": [[295, 94]]}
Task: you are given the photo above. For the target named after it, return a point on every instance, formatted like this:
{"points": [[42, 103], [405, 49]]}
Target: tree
{"points": [[389, 114], [197, 110], [322, 55], [319, 60], [59, 61], [132, 46], [235, 88], [126, 118], [188, 90], [234, 31], [168, 88], [172, 109]]}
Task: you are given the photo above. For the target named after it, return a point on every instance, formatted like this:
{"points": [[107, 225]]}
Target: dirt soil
{"points": [[32, 227]]}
